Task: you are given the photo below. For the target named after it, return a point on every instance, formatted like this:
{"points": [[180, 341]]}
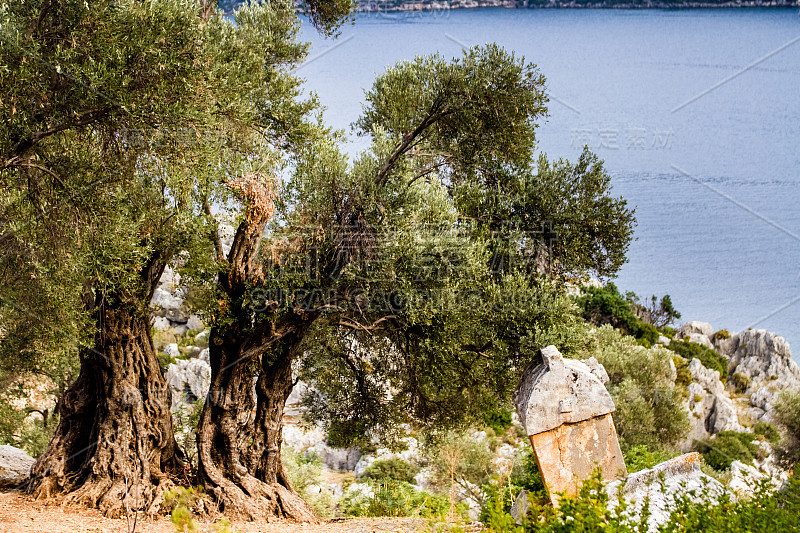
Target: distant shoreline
{"points": [[472, 4], [369, 7]]}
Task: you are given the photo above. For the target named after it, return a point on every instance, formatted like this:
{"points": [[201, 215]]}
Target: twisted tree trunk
{"points": [[114, 442], [239, 437]]}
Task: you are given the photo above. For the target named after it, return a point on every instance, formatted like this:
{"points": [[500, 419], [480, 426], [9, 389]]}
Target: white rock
{"points": [[358, 491], [172, 350], [662, 340], [661, 485], [161, 323], [188, 380], [520, 506], [597, 370], [194, 323], [710, 408], [703, 328], [337, 459], [301, 440], [764, 358], [202, 337], [744, 478], [424, 479], [164, 300], [699, 339], [204, 355], [15, 466]]}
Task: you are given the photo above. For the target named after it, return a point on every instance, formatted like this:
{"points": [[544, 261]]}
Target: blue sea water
{"points": [[695, 112]]}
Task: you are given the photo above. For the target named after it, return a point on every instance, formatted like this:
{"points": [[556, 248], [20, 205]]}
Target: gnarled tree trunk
{"points": [[114, 442], [239, 437]]}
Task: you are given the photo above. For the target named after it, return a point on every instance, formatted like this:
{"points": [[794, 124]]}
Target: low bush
{"points": [[786, 412], [722, 334], [640, 458], [392, 469], [767, 431], [682, 374], [740, 382], [397, 498], [710, 358], [498, 419], [726, 447], [605, 305], [587, 512], [305, 471]]}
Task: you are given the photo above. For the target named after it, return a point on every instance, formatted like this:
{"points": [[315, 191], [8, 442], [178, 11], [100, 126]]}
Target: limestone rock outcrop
{"points": [[763, 361], [659, 488], [711, 409]]}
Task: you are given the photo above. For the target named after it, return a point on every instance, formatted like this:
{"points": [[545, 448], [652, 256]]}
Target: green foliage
{"points": [[305, 471], [526, 476], [683, 374], [786, 412], [710, 358], [397, 498], [767, 431], [655, 312], [458, 457], [179, 502], [26, 428], [728, 446], [639, 457], [766, 510], [695, 512], [394, 469], [722, 334], [186, 418], [605, 305], [740, 382], [498, 419], [647, 335], [650, 410]]}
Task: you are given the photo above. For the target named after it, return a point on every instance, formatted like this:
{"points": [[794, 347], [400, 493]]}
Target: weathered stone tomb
{"points": [[566, 411]]}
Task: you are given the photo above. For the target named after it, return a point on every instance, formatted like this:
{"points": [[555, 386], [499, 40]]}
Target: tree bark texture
{"points": [[114, 444]]}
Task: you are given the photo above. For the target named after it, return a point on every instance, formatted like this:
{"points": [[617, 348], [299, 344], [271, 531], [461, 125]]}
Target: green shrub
{"points": [[304, 471], [640, 457], [392, 469], [525, 475], [682, 374], [605, 305], [707, 356], [726, 447], [646, 335], [768, 431], [396, 498], [722, 334], [650, 409], [764, 511], [786, 411], [498, 419], [30, 433], [740, 382]]}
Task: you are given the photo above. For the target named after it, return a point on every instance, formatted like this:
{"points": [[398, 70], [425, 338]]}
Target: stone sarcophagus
{"points": [[566, 411]]}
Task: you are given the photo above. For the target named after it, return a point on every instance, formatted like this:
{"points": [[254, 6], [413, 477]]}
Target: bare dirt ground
{"points": [[21, 514]]}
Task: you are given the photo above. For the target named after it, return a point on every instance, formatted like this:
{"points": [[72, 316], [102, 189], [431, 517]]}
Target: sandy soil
{"points": [[21, 514]]}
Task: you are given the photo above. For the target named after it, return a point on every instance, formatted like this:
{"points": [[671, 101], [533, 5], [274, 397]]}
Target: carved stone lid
{"points": [[559, 391]]}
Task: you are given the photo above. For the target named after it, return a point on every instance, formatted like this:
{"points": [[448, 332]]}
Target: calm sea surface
{"points": [[695, 112]]}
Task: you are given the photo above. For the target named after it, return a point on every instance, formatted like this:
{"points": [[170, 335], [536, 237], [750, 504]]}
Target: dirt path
{"points": [[21, 514]]}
